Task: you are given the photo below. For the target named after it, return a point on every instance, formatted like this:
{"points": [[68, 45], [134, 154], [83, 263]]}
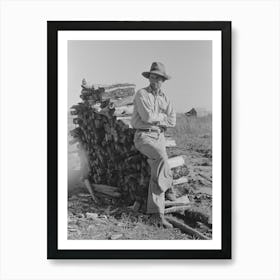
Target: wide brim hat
{"points": [[158, 69]]}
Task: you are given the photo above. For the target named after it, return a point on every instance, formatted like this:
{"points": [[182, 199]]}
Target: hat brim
{"points": [[147, 75]]}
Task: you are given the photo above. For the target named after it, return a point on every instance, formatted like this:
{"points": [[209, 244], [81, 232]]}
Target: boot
{"points": [[170, 195], [159, 220], [164, 222]]}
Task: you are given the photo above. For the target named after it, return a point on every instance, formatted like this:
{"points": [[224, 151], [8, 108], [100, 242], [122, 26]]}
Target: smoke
{"points": [[84, 164], [78, 167]]}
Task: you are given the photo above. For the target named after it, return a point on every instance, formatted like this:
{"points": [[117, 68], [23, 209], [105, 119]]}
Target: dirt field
{"points": [[113, 220]]}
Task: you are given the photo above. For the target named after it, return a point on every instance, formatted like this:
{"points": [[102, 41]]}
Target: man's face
{"points": [[156, 81]]}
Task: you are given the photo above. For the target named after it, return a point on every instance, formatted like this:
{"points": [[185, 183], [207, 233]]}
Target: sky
{"points": [[188, 62]]}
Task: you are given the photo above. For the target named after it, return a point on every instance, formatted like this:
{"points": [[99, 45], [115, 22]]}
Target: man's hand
{"points": [[162, 127]]}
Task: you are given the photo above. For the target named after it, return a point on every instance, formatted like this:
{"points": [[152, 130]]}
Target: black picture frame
{"points": [[53, 27]]}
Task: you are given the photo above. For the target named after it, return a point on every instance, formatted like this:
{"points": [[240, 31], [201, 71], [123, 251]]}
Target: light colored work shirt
{"points": [[152, 110]]}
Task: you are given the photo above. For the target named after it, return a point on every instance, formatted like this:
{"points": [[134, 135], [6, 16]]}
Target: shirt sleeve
{"points": [[169, 119], [146, 110]]}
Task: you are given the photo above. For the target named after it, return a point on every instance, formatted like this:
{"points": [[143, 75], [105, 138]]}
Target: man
{"points": [[153, 113]]}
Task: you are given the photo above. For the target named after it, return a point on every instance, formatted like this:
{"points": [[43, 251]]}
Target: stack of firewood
{"points": [[105, 136]]}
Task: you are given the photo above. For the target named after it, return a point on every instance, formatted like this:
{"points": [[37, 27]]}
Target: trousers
{"points": [[152, 145]]}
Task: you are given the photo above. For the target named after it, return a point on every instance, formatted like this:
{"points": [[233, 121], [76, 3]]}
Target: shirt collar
{"points": [[149, 89]]}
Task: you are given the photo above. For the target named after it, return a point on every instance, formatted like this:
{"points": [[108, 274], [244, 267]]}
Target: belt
{"points": [[151, 130]]}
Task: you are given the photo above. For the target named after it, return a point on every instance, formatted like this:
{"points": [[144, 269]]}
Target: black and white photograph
{"points": [[140, 140], [142, 148]]}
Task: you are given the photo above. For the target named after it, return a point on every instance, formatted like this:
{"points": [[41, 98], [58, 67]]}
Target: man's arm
{"points": [[146, 110], [170, 116]]}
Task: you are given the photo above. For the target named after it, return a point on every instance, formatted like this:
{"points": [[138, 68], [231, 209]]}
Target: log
{"points": [[135, 207], [87, 184], [170, 142], [124, 110], [176, 161], [169, 203], [206, 178], [203, 167], [118, 91], [107, 88], [123, 118], [176, 209], [123, 101], [181, 180], [185, 228], [108, 190], [183, 200], [102, 187]]}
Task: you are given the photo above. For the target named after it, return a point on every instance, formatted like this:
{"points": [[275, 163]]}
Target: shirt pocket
{"points": [[162, 105]]}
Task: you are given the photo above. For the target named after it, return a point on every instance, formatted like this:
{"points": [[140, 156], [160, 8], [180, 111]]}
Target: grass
{"points": [[193, 134], [192, 126]]}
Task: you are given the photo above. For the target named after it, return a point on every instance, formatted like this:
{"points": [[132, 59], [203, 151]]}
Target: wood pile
{"points": [[114, 166]]}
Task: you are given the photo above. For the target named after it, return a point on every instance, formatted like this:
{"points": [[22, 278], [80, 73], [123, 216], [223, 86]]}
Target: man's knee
{"points": [[153, 152]]}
